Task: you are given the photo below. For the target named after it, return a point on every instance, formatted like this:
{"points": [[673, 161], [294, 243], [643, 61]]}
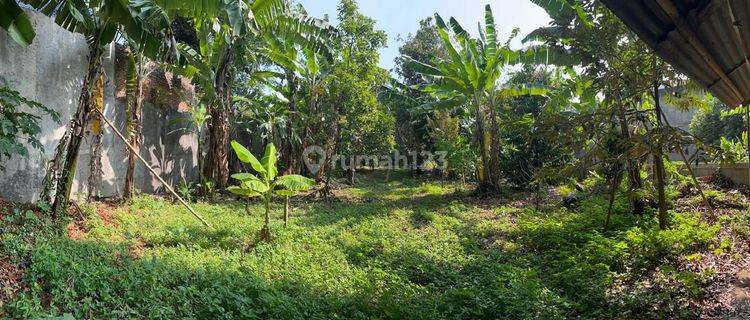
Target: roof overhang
{"points": [[708, 40]]}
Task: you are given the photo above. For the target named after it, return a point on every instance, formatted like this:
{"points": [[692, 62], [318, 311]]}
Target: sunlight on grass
{"points": [[417, 252]]}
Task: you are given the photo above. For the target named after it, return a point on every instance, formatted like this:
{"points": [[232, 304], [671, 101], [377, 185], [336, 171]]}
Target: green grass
{"points": [[406, 249]]}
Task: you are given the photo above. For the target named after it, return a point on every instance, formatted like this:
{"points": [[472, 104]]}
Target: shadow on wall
{"points": [[169, 141], [50, 71]]}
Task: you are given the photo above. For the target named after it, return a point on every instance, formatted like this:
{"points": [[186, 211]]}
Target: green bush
{"points": [[19, 123], [712, 124]]}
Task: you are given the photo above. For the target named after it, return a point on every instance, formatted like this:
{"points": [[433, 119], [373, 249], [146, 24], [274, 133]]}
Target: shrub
{"points": [[17, 125]]}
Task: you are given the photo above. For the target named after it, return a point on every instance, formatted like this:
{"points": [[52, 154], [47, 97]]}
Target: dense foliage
{"points": [[19, 124], [711, 124], [555, 199], [420, 252]]}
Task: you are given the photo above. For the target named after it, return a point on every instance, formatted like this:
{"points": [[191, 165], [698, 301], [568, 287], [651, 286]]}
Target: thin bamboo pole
{"points": [[690, 168], [166, 185]]}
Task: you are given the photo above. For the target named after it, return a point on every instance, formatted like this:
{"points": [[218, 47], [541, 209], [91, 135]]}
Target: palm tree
{"points": [[469, 76]]}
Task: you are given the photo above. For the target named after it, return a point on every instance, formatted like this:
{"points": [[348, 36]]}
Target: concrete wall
{"points": [[50, 71], [737, 172], [679, 119]]}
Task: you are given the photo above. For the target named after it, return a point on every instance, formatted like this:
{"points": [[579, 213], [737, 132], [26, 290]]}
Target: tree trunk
{"points": [[216, 166], [324, 173], [265, 233], [480, 141], [293, 154], [659, 162], [616, 179], [235, 165], [76, 129], [95, 159], [133, 126], [632, 167], [494, 146]]}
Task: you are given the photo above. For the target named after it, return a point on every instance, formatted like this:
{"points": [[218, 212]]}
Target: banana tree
{"points": [[268, 116], [99, 22], [266, 183], [469, 77], [133, 88], [235, 36], [154, 17], [212, 65], [298, 85]]}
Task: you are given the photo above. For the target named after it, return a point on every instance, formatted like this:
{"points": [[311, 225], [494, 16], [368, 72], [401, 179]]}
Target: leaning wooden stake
{"points": [[166, 185], [690, 168]]}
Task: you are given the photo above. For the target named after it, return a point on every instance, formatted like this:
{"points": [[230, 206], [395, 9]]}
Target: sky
{"points": [[401, 17]]}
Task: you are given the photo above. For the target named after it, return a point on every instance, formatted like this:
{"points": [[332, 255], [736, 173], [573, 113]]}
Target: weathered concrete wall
{"points": [[737, 172], [50, 71], [679, 119]]}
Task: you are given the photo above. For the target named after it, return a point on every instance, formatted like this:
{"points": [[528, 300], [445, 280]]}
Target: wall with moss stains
{"points": [[50, 72]]}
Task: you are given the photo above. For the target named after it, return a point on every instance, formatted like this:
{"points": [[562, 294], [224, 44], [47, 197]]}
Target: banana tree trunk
{"points": [[494, 146], [133, 128], [95, 160], [481, 143], [216, 166], [201, 160], [64, 181], [265, 233], [235, 165]]}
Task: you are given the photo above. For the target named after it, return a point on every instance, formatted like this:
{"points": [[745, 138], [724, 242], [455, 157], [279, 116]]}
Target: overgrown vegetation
{"points": [[19, 124], [266, 183], [556, 198], [408, 248]]}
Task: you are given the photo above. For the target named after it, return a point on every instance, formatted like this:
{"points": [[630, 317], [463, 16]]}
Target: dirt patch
{"points": [[10, 281], [105, 211], [726, 294], [75, 231], [75, 228], [4, 204]]}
